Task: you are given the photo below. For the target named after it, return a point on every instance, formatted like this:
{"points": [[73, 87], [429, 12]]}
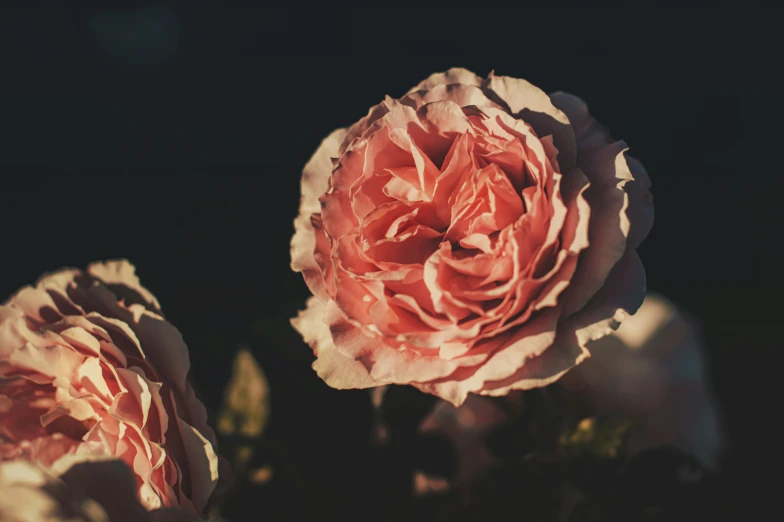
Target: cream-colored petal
{"points": [[534, 106], [315, 175], [341, 372], [315, 181], [337, 370], [453, 75], [460, 94], [310, 324], [120, 276]]}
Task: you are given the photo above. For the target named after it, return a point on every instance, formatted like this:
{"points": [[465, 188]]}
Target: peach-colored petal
{"points": [[133, 405], [523, 348], [74, 417], [385, 363]]}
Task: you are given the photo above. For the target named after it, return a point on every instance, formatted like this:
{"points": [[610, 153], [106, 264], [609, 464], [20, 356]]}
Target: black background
{"points": [[182, 150]]}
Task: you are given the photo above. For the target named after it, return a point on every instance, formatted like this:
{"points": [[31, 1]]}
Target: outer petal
{"points": [[454, 75], [621, 296], [120, 276], [592, 138], [396, 363], [640, 210], [337, 370], [589, 133], [524, 352], [607, 233], [462, 95], [315, 181], [535, 108], [202, 463], [315, 175]]}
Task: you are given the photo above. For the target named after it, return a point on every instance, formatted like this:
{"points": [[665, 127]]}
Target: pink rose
{"points": [[87, 492], [90, 368], [470, 237]]}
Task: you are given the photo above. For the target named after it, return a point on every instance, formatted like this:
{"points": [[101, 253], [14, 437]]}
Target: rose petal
{"points": [[608, 230], [315, 181], [535, 107], [640, 209], [334, 368], [591, 138], [454, 75], [120, 276]]}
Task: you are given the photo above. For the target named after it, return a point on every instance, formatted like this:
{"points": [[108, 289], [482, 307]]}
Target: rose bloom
{"points": [[87, 492], [470, 237], [90, 368]]}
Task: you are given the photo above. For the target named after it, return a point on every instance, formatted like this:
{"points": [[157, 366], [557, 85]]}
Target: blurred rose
{"points": [[440, 236], [89, 369], [652, 371], [87, 492], [466, 428]]}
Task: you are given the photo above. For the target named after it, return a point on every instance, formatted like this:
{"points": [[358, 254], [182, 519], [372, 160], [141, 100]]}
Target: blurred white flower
{"points": [[652, 371]]}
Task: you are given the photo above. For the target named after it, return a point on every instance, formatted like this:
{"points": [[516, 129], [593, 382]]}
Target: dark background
{"points": [[175, 137]]}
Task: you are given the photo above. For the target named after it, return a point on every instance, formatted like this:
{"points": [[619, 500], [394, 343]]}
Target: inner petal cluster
{"points": [[439, 232]]}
